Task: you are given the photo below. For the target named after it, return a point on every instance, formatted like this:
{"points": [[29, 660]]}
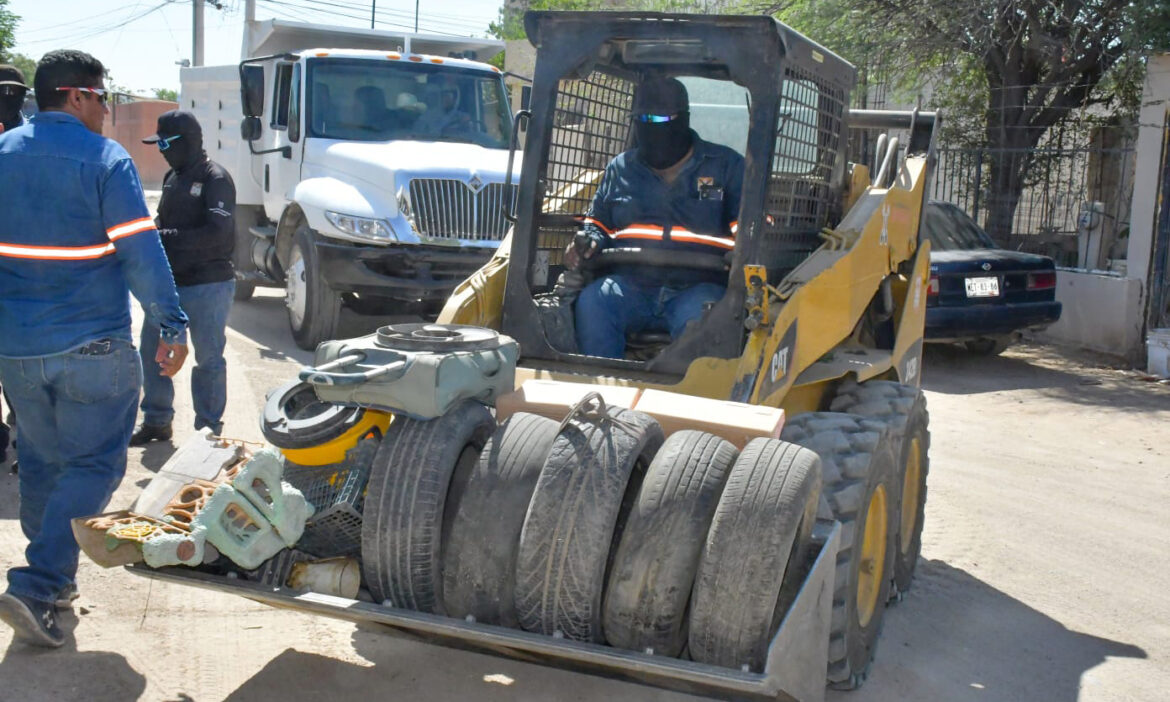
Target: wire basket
{"points": [[337, 493]]}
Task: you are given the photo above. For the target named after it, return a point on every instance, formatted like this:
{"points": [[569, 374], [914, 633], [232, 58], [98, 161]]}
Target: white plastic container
{"points": [[1158, 352]]}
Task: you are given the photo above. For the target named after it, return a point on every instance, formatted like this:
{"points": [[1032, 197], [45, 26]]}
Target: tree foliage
{"points": [[1007, 71], [8, 22], [167, 94]]}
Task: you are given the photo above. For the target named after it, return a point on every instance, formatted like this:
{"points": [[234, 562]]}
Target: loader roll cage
{"points": [[795, 155]]}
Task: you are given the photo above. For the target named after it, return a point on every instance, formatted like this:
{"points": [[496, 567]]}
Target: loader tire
{"points": [[903, 407], [405, 500], [861, 488], [761, 528], [655, 563], [574, 520], [479, 549]]}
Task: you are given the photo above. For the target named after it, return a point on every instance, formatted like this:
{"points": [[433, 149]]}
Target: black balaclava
{"points": [[11, 80], [187, 150], [662, 144]]}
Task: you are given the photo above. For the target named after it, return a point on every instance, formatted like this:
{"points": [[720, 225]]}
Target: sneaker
{"points": [[148, 433], [68, 594], [34, 622]]}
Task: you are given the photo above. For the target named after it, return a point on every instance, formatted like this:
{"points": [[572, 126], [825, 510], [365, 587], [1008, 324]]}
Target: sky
{"points": [[140, 41]]}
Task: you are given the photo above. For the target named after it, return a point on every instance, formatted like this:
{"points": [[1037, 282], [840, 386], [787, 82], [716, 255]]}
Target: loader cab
{"points": [[754, 85]]}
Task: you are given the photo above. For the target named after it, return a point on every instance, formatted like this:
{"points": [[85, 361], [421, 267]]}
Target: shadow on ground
{"points": [[958, 639], [30, 673], [953, 638], [953, 371]]}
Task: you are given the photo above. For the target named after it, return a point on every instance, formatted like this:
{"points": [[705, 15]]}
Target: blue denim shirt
{"points": [[698, 211], [75, 238]]}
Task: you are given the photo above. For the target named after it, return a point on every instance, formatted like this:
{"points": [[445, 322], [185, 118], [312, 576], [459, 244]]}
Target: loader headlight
{"points": [[363, 227]]}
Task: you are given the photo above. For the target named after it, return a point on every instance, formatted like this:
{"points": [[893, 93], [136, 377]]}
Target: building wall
{"points": [[1099, 314], [130, 123]]}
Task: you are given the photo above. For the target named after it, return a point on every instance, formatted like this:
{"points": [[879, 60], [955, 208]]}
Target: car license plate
{"points": [[983, 287]]}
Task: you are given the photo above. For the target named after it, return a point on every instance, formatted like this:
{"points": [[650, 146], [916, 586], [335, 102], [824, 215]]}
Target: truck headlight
{"points": [[363, 227]]}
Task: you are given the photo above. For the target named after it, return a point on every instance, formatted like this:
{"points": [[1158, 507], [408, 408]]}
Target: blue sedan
{"points": [[979, 294]]}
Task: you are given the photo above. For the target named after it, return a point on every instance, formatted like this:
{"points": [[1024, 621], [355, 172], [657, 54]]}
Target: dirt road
{"points": [[1045, 562]]}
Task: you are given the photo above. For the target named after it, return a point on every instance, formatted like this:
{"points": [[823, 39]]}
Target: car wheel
{"points": [[992, 345]]}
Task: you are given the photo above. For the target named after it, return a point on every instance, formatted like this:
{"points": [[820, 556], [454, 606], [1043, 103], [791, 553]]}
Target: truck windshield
{"points": [[374, 100]]}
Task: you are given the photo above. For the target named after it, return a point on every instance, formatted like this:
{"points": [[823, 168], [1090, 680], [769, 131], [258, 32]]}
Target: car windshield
{"points": [[950, 229], [371, 100]]}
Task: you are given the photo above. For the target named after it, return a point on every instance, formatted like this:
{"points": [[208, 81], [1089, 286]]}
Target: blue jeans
{"points": [[207, 308], [610, 307], [74, 413]]}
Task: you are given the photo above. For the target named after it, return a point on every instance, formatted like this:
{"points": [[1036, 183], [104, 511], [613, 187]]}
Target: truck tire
{"points": [[574, 519], [761, 530], [243, 291], [479, 550], [313, 308], [405, 500], [655, 563], [860, 487], [903, 408]]}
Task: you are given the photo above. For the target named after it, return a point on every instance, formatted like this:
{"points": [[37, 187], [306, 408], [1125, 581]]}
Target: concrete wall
{"points": [[1099, 314], [128, 124], [1151, 136]]}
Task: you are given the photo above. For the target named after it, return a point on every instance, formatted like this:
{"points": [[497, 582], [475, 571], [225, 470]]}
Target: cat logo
{"points": [[780, 363]]}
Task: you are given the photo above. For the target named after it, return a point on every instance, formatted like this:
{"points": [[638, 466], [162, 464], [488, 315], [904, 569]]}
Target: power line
{"points": [[89, 34]]}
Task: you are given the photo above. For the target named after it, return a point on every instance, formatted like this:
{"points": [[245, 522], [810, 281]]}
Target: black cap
{"points": [[660, 96], [11, 75], [175, 122]]}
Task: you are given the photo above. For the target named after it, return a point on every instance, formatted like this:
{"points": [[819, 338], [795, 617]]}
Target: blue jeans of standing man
{"points": [[207, 308], [610, 307], [74, 413]]}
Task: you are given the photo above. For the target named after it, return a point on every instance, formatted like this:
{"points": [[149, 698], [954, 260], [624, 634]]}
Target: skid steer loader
{"points": [[631, 541]]}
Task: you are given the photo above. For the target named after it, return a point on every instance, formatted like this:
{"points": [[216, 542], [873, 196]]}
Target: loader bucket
{"points": [[794, 671]]}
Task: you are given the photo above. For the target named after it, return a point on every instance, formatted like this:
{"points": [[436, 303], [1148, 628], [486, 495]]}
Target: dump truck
{"points": [[355, 187], [728, 511]]}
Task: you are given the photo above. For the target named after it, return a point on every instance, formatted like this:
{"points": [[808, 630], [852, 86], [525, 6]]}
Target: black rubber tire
{"points": [[990, 346], [762, 525], [322, 304], [574, 519], [405, 500], [656, 560], [243, 291], [295, 418], [479, 549], [856, 459], [903, 408]]}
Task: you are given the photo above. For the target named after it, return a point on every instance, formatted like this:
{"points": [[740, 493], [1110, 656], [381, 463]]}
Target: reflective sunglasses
{"points": [[12, 90], [656, 119], [102, 94], [164, 144]]}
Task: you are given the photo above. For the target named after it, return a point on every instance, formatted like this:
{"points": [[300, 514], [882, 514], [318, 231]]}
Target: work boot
{"points": [[149, 432], [34, 622], [66, 596]]}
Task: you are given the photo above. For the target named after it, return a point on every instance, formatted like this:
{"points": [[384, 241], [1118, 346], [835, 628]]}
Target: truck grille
{"points": [[445, 208]]}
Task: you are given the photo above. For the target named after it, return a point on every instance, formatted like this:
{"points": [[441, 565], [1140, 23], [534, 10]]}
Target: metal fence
{"points": [[1058, 184]]}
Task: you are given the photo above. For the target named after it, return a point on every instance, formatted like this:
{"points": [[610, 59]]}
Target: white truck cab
{"points": [[370, 177]]}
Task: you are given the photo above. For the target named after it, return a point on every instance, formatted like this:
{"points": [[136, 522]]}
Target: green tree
{"points": [[167, 94], [1009, 69], [26, 65], [8, 22]]}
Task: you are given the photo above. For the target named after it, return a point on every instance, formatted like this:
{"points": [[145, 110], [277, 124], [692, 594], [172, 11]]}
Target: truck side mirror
{"points": [[250, 129], [252, 89]]}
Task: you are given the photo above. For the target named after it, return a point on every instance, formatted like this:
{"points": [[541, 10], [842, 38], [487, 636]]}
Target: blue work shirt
{"points": [[75, 239], [698, 211]]}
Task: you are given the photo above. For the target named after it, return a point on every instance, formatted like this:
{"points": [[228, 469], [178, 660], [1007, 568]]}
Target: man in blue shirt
{"points": [[673, 192], [75, 240], [12, 92]]}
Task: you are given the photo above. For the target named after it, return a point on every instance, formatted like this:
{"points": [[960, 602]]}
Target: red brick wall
{"points": [[128, 124]]}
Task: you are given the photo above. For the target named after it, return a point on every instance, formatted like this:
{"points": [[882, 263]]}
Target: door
{"points": [[282, 170]]}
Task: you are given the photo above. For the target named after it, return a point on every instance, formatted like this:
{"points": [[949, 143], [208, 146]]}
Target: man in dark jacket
{"points": [[674, 192], [198, 233]]}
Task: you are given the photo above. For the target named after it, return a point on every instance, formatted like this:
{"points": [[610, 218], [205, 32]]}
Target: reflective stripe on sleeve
{"points": [[655, 233], [128, 228], [597, 223], [56, 253]]}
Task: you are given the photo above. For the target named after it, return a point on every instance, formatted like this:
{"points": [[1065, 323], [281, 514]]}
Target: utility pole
{"points": [[373, 8], [196, 32], [250, 10], [416, 16]]}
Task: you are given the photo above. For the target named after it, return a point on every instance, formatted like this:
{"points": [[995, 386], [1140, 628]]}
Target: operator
{"points": [[75, 240], [195, 221], [672, 192]]}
